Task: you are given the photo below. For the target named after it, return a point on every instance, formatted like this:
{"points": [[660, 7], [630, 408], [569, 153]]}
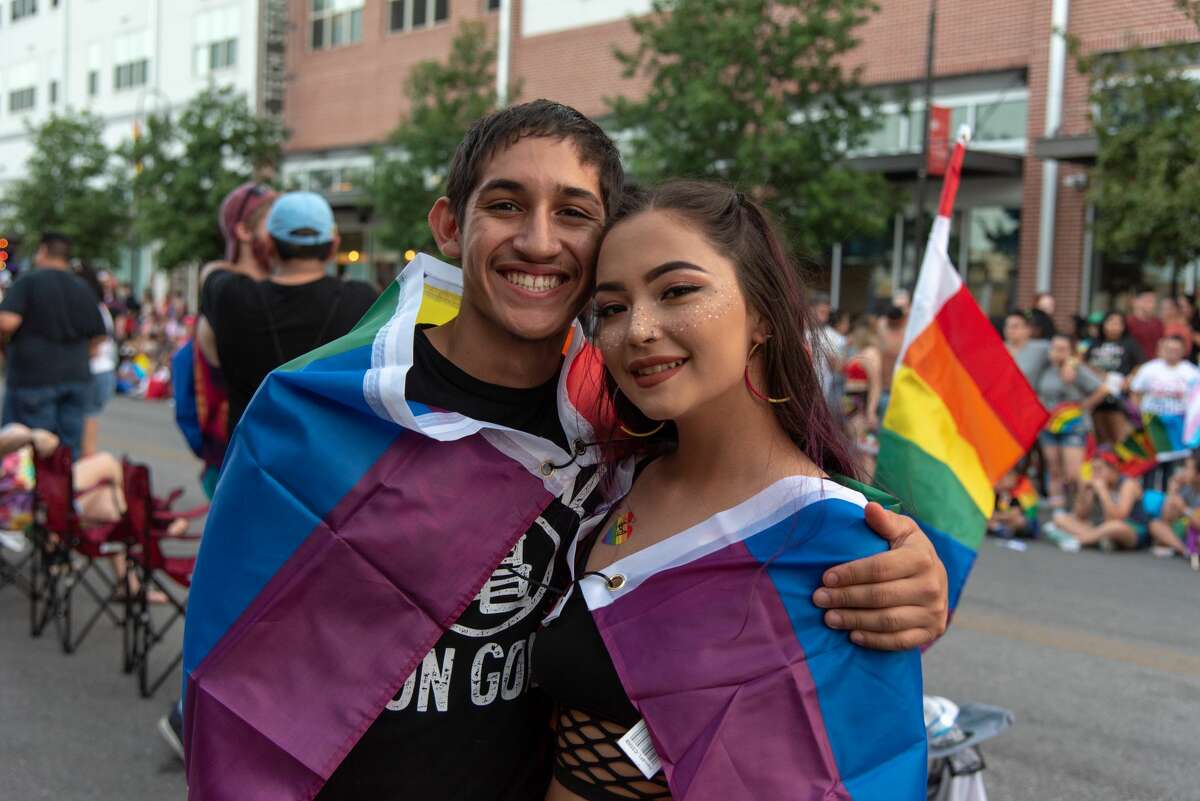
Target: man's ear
{"points": [[444, 228]]}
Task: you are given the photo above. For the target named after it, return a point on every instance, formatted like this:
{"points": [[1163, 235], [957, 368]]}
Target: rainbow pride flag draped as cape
{"points": [[342, 541], [745, 691], [961, 413]]}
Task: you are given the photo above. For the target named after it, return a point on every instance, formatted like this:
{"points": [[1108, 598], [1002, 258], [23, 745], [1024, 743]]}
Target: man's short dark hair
{"points": [[58, 246], [539, 118], [289, 252]]}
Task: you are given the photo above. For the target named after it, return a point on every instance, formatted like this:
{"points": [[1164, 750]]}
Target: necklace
{"points": [[621, 529]]}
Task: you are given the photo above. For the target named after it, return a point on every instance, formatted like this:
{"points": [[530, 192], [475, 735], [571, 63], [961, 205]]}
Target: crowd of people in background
{"points": [[1114, 466]]}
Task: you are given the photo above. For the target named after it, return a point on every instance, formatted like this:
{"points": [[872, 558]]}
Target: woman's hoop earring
{"points": [[750, 385], [621, 425]]}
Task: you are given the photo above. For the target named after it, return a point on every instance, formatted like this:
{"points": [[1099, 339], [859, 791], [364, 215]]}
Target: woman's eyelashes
{"points": [[605, 309], [679, 291]]}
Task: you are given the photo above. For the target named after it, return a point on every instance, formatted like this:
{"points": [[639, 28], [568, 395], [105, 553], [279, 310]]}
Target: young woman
{"points": [[1113, 355], [1069, 391], [691, 612], [863, 376]]}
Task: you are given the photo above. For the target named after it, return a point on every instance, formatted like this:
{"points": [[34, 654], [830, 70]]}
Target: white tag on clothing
{"points": [[637, 746]]}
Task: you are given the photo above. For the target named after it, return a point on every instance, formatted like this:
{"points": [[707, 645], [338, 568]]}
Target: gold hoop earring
{"points": [[621, 425], [750, 385]]}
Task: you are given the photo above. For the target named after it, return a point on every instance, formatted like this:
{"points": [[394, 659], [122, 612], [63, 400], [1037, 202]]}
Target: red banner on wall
{"points": [[939, 140]]}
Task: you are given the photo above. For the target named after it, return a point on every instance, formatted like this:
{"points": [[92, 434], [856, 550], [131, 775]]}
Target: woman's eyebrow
{"points": [[671, 266], [652, 275]]}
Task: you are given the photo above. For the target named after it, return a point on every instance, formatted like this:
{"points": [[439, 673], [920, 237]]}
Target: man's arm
{"points": [[9, 322], [892, 601], [206, 340]]}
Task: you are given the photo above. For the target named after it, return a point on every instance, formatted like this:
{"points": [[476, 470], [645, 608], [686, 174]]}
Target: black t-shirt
{"points": [[1119, 356], [466, 726], [242, 313], [59, 316]]}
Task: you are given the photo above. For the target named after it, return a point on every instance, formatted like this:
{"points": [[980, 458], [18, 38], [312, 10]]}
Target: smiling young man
{"points": [[528, 194]]}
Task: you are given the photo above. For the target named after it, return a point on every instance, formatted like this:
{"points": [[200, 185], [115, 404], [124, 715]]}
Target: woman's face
{"points": [[672, 321], [1114, 327], [1060, 350]]}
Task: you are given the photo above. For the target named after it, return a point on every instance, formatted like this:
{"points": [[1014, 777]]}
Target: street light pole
{"points": [[503, 52], [923, 168]]}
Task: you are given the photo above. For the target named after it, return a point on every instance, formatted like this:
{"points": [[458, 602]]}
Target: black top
{"points": [[571, 664], [1119, 356], [262, 325], [59, 316], [466, 726]]}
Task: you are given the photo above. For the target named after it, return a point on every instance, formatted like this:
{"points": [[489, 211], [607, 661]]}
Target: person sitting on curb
{"points": [[1108, 511], [1179, 508]]}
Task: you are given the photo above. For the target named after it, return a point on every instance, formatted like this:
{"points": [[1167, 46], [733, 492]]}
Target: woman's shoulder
{"points": [[824, 518]]}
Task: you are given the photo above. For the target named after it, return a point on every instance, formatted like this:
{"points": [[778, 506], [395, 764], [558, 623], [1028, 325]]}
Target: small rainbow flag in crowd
{"points": [[1065, 418], [961, 413], [1026, 497]]}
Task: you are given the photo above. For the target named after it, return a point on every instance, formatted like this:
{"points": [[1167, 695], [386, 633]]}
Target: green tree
{"points": [[1146, 182], [410, 169], [183, 166], [72, 186], [756, 93]]}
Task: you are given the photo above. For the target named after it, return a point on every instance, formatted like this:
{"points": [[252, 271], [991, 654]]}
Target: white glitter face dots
{"points": [[671, 317]]}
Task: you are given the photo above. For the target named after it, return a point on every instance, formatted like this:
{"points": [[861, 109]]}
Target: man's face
{"points": [[529, 238], [1143, 304], [1171, 350]]}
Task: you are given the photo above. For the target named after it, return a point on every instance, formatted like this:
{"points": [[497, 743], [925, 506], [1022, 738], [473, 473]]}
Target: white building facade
{"points": [[125, 59]]}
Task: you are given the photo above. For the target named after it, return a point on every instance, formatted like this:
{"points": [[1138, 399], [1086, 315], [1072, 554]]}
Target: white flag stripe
{"points": [[937, 283]]}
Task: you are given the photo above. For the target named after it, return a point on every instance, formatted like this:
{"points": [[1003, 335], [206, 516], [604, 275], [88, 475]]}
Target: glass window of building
{"points": [[22, 99], [1002, 121], [993, 236], [215, 37], [335, 23], [52, 94], [866, 274], [93, 82], [131, 56], [23, 8], [885, 138], [407, 15]]}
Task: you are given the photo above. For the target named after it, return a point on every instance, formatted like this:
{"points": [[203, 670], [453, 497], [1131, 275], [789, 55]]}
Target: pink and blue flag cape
{"points": [[746, 693], [350, 528]]}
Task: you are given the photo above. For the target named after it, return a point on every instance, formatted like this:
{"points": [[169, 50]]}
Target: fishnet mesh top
{"points": [[572, 666], [588, 762]]}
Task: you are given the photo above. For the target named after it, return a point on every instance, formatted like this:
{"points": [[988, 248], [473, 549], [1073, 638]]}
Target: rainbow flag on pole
{"points": [[961, 414], [342, 541]]}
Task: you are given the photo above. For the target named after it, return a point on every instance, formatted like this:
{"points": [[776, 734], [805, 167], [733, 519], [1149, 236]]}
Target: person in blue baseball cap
{"points": [[260, 325]]}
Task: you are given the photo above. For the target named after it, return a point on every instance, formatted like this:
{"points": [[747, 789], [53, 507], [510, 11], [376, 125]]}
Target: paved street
{"points": [[1098, 656]]}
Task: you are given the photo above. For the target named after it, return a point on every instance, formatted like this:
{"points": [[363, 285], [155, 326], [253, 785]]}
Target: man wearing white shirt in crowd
{"points": [[1161, 387]]}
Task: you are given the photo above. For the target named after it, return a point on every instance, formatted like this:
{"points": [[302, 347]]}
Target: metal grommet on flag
{"points": [[616, 582], [546, 469], [580, 447]]}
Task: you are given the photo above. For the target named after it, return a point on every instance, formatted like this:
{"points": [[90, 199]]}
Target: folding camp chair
{"points": [[149, 521], [69, 555]]}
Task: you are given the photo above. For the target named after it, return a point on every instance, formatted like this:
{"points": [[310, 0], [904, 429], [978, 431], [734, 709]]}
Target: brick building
{"points": [[997, 66]]}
